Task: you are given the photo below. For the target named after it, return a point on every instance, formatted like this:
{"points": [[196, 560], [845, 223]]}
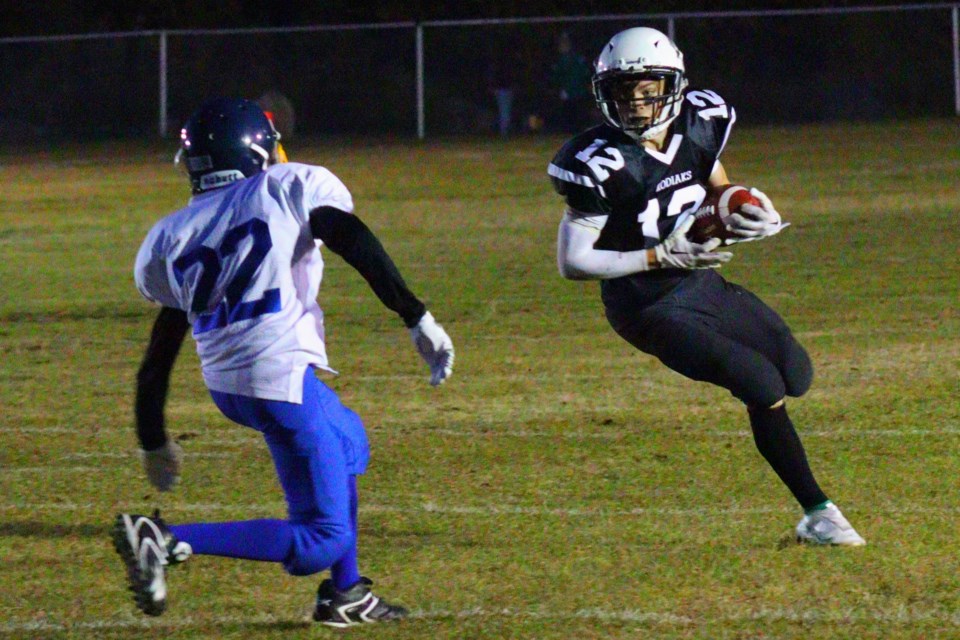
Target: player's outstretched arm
{"points": [[161, 456], [577, 258], [347, 236]]}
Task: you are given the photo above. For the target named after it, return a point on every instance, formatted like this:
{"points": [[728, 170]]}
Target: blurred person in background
{"points": [[501, 83], [570, 77]]}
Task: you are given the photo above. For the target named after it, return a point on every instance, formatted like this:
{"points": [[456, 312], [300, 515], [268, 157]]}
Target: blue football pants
{"points": [[318, 449]]}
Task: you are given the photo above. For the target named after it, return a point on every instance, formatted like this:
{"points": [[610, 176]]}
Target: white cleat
{"points": [[828, 526]]}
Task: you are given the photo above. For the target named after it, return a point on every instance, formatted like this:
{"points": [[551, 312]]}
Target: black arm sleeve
{"points": [[352, 240], [153, 378]]}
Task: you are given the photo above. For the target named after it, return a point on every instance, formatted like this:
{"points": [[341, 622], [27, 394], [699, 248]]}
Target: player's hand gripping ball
{"points": [[712, 218]]}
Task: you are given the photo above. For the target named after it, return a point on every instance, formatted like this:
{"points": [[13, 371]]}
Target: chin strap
{"points": [[653, 131]]}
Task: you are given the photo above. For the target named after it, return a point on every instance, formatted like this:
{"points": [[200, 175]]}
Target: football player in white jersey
{"points": [[629, 186], [241, 265]]}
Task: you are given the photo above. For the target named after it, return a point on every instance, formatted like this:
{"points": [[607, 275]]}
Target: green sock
{"points": [[818, 507]]}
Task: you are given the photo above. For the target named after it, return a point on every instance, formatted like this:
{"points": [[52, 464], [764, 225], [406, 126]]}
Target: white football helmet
{"points": [[630, 57]]}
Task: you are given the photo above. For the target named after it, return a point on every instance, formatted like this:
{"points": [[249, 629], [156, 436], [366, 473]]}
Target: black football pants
{"points": [[714, 331]]}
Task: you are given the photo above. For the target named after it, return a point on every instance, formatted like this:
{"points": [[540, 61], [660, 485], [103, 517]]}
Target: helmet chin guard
{"points": [[639, 54]]}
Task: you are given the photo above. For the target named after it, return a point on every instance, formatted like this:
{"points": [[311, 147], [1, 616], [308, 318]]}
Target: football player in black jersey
{"points": [[631, 185]]}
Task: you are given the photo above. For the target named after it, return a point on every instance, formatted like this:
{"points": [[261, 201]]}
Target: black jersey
{"points": [[603, 171]]}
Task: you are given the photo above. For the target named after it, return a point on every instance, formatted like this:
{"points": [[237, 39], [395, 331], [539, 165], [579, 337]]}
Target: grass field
{"points": [[561, 485]]}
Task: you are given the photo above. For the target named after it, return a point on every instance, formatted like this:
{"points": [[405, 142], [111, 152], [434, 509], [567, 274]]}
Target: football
{"points": [[710, 220]]}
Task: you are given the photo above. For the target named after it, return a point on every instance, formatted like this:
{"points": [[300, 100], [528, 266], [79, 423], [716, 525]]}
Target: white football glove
{"points": [[678, 251], [760, 222], [163, 465], [435, 347]]}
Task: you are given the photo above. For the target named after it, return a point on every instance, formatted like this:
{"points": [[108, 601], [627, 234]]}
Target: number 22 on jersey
{"points": [[210, 261]]}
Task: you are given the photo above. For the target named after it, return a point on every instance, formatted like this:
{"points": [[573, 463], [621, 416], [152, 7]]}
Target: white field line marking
{"points": [[486, 510], [55, 468], [201, 429], [847, 616], [426, 507], [240, 436], [901, 614], [51, 469], [132, 623], [639, 432], [123, 455], [40, 430]]}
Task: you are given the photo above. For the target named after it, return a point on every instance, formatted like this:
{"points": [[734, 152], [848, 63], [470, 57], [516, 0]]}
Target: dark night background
{"points": [[83, 16], [774, 69]]}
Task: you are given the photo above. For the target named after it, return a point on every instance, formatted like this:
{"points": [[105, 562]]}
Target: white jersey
{"points": [[241, 261]]}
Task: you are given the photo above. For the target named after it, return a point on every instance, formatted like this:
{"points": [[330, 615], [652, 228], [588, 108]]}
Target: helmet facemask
{"points": [[640, 103], [279, 154], [269, 156]]}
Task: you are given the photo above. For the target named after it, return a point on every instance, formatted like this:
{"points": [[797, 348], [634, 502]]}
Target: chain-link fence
{"points": [[458, 77]]}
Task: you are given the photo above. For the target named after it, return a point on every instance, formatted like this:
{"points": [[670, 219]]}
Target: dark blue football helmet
{"points": [[225, 140]]}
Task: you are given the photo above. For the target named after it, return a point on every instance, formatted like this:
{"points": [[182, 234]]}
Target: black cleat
{"points": [[146, 546], [356, 605]]}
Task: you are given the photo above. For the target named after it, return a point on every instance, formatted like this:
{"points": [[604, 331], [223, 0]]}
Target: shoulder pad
{"points": [[707, 104], [570, 163], [320, 186], [571, 176], [709, 118]]}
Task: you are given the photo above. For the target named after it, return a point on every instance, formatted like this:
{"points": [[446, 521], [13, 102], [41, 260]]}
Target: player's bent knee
{"points": [[316, 546], [759, 384], [762, 396], [798, 375]]}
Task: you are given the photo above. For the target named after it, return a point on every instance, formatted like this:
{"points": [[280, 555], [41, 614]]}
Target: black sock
{"points": [[780, 445]]}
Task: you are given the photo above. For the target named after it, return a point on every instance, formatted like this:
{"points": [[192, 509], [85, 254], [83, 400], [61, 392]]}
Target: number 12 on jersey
{"points": [[688, 197]]}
